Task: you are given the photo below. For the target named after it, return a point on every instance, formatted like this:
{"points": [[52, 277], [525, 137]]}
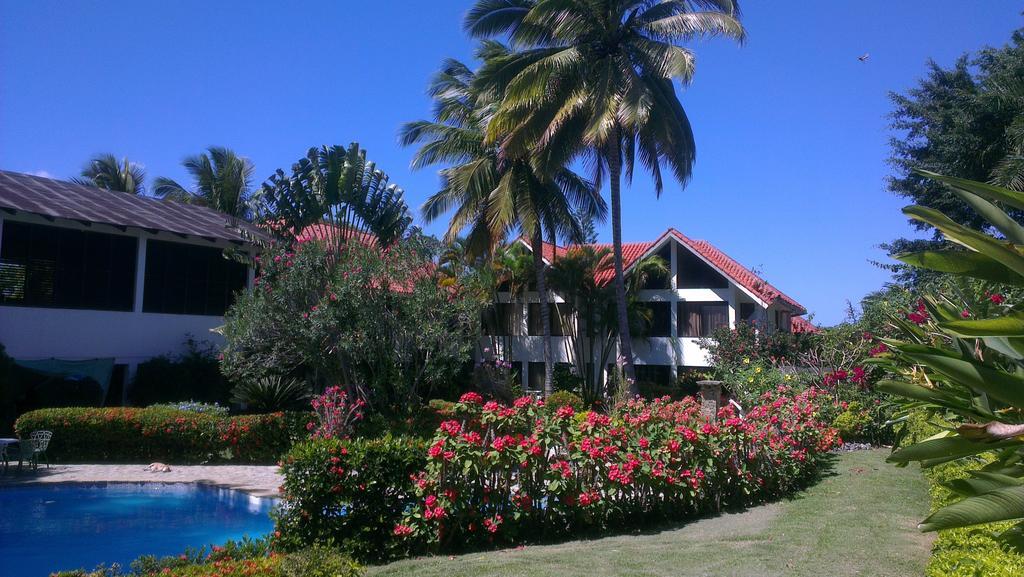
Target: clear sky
{"points": [[791, 129]]}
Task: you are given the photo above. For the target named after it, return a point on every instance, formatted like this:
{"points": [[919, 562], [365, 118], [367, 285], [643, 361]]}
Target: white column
{"points": [[673, 300], [140, 274], [733, 305]]}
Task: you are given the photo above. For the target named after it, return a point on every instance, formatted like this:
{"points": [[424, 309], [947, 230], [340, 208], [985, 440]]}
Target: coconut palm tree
{"points": [[222, 181], [493, 194], [105, 171], [595, 77]]}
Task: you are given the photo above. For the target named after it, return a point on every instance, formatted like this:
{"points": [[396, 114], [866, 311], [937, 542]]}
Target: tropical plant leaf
{"points": [[962, 262], [1011, 325], [998, 505], [953, 446], [998, 384]]}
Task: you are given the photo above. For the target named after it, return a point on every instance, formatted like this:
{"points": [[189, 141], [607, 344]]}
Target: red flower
{"points": [[471, 398], [996, 298]]}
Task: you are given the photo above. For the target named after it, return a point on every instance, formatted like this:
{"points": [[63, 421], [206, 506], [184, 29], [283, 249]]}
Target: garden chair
{"points": [[39, 441], [29, 450]]}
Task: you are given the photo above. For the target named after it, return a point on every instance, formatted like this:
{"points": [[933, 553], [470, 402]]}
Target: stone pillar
{"points": [[710, 396]]}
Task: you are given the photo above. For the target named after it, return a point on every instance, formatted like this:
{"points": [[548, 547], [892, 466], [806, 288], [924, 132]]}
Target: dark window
{"points": [[746, 311], [702, 319], [115, 394], [54, 267], [190, 280], [535, 381], [782, 321], [501, 320], [658, 319], [661, 281], [535, 328], [692, 272], [653, 374]]}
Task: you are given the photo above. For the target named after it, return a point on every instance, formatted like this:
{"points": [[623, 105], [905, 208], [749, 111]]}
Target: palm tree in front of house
{"points": [[107, 172], [595, 77], [222, 180], [493, 195]]}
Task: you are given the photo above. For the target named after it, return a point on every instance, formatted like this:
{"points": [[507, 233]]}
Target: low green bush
{"points": [[319, 561], [968, 551], [347, 493], [559, 399], [163, 434]]}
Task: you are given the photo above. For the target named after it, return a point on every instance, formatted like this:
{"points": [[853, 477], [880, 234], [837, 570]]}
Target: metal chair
{"points": [[39, 441]]}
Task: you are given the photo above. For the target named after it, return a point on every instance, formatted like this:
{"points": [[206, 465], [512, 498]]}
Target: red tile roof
{"points": [[802, 325], [744, 277]]}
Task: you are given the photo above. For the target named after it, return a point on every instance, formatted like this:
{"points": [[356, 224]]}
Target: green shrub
{"points": [[347, 493], [565, 378], [270, 393], [319, 561], [163, 434], [560, 399], [195, 374]]}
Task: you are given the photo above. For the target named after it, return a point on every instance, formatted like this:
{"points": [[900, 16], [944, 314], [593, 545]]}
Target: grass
{"points": [[858, 520]]}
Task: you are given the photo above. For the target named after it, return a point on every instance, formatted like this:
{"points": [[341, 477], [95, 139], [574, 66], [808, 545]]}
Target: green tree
{"points": [[965, 121], [105, 171], [494, 194], [596, 77], [341, 191], [222, 181]]}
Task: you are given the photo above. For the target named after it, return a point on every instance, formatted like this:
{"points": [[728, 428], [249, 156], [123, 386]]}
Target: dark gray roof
{"points": [[60, 199]]}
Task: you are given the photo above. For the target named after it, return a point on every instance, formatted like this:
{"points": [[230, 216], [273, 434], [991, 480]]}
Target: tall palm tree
{"points": [[222, 181], [595, 77], [494, 194], [105, 171]]}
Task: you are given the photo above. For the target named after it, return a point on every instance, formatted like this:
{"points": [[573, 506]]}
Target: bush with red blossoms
{"points": [[336, 414], [508, 474]]}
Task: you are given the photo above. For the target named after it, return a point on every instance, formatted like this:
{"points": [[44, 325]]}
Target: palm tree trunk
{"points": [[545, 309], [625, 342]]}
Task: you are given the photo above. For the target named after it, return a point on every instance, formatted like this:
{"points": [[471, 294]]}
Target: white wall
{"points": [[129, 337]]}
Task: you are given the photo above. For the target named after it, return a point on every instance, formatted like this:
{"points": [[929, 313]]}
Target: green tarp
{"points": [[99, 370]]}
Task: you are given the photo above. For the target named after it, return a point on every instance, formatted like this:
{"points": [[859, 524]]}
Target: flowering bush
{"points": [[163, 434], [499, 473], [347, 492], [336, 414]]}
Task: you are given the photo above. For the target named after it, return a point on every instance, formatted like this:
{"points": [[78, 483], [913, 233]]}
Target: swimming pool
{"points": [[44, 528]]}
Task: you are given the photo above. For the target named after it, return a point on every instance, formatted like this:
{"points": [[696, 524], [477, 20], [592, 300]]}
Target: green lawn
{"points": [[859, 520]]}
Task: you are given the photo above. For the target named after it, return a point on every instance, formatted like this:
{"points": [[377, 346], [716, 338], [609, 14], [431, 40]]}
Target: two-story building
{"points": [[704, 290], [92, 274]]}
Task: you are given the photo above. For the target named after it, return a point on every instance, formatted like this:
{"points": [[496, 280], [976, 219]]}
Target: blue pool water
{"points": [[44, 528]]}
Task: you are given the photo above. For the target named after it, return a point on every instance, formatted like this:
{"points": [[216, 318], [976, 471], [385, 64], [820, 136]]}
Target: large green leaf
{"points": [[1011, 325], [998, 505], [953, 446], [998, 384], [920, 393], [1001, 251], [984, 190], [961, 262]]}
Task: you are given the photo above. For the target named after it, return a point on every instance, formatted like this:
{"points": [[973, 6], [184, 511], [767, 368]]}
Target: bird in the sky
{"points": [[864, 57]]}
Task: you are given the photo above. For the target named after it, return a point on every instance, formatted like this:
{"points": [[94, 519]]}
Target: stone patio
{"points": [[261, 481]]}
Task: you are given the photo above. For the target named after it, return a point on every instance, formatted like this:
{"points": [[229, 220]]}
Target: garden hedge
{"points": [[350, 493], [497, 474], [128, 435], [968, 551]]}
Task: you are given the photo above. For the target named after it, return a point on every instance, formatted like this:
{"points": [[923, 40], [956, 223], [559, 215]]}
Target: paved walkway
{"points": [[261, 481]]}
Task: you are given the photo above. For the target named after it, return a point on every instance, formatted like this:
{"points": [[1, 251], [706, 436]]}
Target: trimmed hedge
{"points": [[350, 493], [968, 551], [143, 435]]}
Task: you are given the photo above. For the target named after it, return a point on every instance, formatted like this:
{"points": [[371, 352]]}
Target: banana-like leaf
{"points": [[992, 213], [951, 447], [1012, 348], [920, 393], [998, 384], [961, 262], [1001, 251], [1014, 537], [998, 505], [1011, 325], [973, 487], [984, 190]]}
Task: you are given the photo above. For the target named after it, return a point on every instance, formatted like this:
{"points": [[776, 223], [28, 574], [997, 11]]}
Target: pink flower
{"points": [[996, 298], [965, 313], [471, 398]]}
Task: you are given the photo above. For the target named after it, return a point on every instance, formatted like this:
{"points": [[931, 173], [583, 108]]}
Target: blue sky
{"points": [[791, 129]]}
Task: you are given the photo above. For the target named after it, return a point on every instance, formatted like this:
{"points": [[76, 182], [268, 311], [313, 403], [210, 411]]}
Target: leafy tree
{"points": [[222, 181], [965, 121], [494, 194], [338, 190], [105, 171], [595, 77], [377, 322]]}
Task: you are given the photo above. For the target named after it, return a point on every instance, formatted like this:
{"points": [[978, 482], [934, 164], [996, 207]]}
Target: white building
{"points": [[87, 273], [705, 290]]}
